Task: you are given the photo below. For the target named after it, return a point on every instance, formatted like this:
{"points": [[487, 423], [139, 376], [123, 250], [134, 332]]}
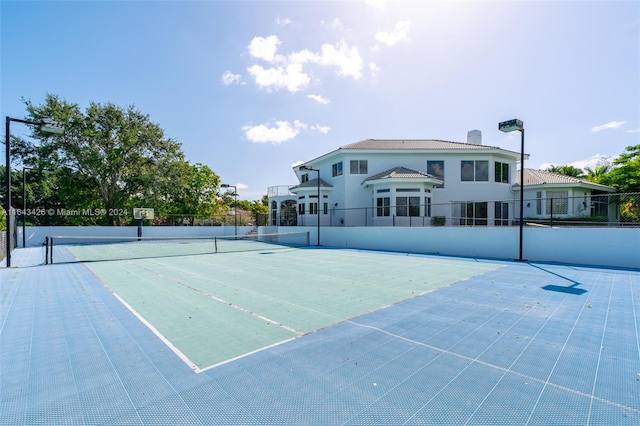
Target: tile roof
{"points": [[313, 183], [400, 172], [413, 144], [542, 177]]}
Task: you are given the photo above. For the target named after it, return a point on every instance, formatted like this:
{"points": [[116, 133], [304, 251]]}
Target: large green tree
{"points": [[117, 152], [625, 171], [196, 192]]}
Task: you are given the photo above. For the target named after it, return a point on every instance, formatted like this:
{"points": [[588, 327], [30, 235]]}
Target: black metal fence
{"points": [[601, 210]]}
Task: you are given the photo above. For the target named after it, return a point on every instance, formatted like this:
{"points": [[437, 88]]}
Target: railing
{"points": [[604, 210], [275, 191]]}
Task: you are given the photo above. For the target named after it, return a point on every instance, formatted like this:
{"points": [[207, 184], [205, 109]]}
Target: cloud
{"points": [[230, 78], [319, 99], [346, 59], [321, 129], [374, 68], [292, 77], [376, 4], [399, 33], [633, 131], [610, 125], [283, 22], [593, 162], [281, 132], [264, 47], [297, 163], [241, 186]]}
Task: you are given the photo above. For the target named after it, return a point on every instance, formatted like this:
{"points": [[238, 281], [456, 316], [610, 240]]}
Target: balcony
{"points": [[281, 190]]}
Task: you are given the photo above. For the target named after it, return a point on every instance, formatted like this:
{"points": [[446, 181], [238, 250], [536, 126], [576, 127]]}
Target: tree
{"points": [[625, 171], [567, 171], [595, 175], [118, 152], [196, 192]]}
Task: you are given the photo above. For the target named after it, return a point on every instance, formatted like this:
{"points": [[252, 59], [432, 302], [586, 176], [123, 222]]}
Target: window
{"points": [[382, 206], [313, 208], [557, 202], [473, 214], [336, 169], [325, 208], [427, 206], [501, 214], [301, 208], [407, 206], [383, 190], [539, 202], [502, 172], [358, 167], [477, 171], [304, 178], [436, 169], [408, 190]]}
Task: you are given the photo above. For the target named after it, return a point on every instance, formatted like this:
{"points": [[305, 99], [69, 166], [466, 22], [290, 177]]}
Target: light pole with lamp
{"points": [[506, 127], [44, 125], [311, 169], [24, 201], [235, 207]]}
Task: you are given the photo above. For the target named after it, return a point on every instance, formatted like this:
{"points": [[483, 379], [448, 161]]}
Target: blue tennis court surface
{"points": [[521, 344]]}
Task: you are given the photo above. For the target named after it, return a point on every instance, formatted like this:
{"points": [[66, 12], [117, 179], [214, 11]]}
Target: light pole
{"points": [[506, 127], [44, 125], [311, 169], [235, 201]]}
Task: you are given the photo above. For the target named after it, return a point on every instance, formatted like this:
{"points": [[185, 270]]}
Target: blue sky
{"points": [[251, 88]]}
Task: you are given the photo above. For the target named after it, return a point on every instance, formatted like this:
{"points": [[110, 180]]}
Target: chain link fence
{"points": [[602, 210]]}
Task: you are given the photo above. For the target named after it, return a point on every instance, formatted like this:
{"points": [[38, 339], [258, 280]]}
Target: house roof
{"points": [[414, 144], [534, 177], [400, 173], [313, 183]]}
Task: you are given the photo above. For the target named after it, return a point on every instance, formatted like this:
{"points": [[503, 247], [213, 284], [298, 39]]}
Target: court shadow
{"points": [[570, 289]]}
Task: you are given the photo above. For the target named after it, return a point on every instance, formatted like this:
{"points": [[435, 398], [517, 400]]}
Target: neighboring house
{"points": [[551, 194], [395, 182]]}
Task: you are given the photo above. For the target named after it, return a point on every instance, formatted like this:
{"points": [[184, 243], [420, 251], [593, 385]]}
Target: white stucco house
{"points": [[396, 182]]}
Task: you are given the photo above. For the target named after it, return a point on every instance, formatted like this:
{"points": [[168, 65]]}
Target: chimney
{"points": [[474, 137]]}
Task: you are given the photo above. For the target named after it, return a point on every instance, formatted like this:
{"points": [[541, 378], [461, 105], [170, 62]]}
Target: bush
{"points": [[439, 220]]}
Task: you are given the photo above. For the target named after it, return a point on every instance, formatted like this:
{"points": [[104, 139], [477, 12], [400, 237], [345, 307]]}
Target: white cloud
{"points": [[610, 125], [299, 124], [374, 68], [399, 33], [633, 131], [281, 132], [376, 4], [283, 21], [346, 59], [292, 77], [321, 129], [297, 163], [230, 78], [264, 47], [241, 186], [593, 162], [319, 99]]}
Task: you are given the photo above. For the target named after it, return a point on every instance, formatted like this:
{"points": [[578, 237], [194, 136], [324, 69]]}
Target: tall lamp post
{"points": [[44, 125], [506, 127], [24, 201], [311, 169], [235, 207]]}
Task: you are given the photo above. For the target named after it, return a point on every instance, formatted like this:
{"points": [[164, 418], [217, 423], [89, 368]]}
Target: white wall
{"points": [[612, 247]]}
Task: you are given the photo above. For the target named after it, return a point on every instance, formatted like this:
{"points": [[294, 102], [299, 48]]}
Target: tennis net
{"points": [[65, 249]]}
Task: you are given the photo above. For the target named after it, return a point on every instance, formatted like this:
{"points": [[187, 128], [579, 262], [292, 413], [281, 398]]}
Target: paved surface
{"points": [[517, 343]]}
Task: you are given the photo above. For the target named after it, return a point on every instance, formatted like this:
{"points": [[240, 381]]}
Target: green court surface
{"points": [[213, 308]]}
